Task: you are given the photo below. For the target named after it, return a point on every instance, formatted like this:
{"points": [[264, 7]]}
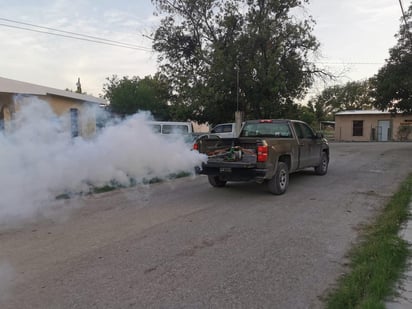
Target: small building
{"points": [[74, 105], [372, 125]]}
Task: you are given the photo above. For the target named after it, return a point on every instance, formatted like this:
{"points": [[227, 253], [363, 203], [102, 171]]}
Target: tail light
{"points": [[196, 146], [262, 153]]}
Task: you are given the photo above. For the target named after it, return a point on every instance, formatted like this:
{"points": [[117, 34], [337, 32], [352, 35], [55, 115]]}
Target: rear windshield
{"points": [[273, 129]]}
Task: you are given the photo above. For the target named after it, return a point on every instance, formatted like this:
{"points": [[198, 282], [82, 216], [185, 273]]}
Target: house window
{"points": [[358, 128], [74, 122]]}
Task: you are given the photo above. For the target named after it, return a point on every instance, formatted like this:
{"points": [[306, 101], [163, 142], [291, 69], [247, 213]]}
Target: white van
{"points": [[171, 127]]}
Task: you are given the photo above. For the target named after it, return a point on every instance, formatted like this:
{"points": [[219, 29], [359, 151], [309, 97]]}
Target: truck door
{"points": [[309, 145]]}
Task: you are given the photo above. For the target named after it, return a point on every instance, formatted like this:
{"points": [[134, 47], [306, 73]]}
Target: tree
{"points": [[350, 96], [392, 85], [128, 96], [79, 86], [220, 55]]}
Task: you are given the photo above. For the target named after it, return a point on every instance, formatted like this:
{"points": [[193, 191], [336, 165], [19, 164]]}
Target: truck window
{"points": [[302, 130], [298, 130], [307, 131]]}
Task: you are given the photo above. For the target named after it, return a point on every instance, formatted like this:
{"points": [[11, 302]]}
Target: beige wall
{"points": [[61, 107], [344, 126], [87, 119]]}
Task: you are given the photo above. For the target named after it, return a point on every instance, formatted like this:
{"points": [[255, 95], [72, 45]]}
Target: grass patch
{"points": [[103, 189], [379, 260], [63, 196], [113, 185]]}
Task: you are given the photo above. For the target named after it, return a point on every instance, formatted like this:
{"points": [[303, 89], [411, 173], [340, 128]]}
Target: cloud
{"points": [[355, 35], [57, 61]]}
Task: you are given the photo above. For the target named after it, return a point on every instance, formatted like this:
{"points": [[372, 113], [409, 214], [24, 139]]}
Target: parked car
{"points": [[224, 130]]}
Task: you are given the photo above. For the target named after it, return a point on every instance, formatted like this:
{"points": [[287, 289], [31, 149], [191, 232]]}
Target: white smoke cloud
{"points": [[39, 160]]}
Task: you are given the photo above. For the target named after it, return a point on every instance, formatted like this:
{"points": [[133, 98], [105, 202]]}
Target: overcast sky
{"points": [[355, 37]]}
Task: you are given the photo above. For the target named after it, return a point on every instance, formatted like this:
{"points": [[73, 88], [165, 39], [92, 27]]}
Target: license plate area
{"points": [[225, 169]]}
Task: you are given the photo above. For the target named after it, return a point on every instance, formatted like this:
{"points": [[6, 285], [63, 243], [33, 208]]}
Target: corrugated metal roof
{"points": [[18, 87], [362, 112]]}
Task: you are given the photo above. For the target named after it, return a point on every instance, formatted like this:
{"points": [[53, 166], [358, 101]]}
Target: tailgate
{"points": [[247, 161], [243, 156]]}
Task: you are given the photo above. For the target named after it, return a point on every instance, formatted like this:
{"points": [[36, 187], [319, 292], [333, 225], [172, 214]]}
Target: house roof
{"points": [[362, 112], [18, 87]]}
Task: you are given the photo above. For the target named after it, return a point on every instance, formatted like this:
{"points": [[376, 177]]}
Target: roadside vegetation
{"points": [[115, 185], [379, 260]]}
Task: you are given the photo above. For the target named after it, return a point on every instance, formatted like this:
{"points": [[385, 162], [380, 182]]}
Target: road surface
{"points": [[184, 244]]}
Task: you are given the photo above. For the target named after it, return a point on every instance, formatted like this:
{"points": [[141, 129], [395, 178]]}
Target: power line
{"points": [[68, 32], [72, 35], [94, 39]]}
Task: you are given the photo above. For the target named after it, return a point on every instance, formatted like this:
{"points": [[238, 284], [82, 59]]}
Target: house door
{"points": [[74, 121], [383, 130]]}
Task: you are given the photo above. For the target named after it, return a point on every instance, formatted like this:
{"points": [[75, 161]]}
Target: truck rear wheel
{"points": [[216, 181], [280, 181]]}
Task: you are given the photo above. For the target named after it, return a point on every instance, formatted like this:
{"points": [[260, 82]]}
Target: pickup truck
{"points": [[266, 151]]}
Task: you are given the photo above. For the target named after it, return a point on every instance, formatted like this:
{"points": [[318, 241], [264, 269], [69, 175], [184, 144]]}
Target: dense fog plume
{"points": [[39, 159], [6, 276]]}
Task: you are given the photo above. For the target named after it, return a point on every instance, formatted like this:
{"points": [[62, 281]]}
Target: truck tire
{"points": [[216, 181], [280, 181], [322, 168]]}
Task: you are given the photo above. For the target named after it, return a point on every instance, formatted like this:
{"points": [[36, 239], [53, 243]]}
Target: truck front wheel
{"points": [[216, 181], [280, 181], [322, 168]]}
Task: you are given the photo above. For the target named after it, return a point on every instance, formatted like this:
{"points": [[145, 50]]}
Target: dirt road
{"points": [[184, 244]]}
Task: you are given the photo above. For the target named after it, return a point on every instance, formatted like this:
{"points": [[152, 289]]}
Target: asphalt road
{"points": [[184, 244]]}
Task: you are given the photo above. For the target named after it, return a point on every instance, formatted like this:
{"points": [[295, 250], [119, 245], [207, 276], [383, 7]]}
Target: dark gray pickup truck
{"points": [[267, 150]]}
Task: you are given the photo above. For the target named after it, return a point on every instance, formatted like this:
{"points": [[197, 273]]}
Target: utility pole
{"points": [[237, 87], [238, 113], [79, 86], [408, 33]]}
